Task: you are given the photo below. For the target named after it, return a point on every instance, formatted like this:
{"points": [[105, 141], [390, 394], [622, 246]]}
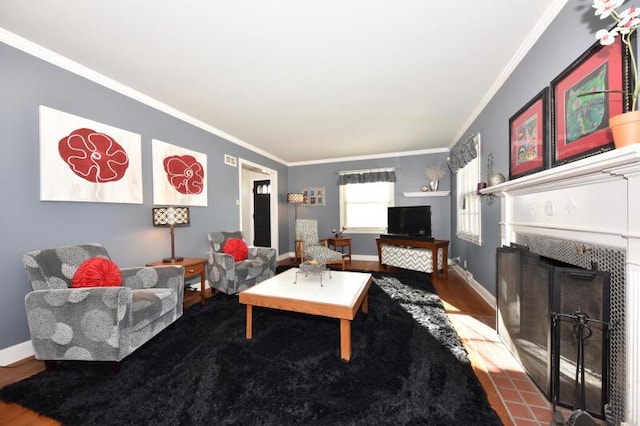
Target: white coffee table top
{"points": [[343, 288]]}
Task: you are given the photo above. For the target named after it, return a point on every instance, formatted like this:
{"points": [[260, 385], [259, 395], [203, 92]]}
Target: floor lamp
{"points": [[295, 198]]}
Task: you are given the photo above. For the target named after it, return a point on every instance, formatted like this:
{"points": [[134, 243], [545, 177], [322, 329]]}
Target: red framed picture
{"points": [[528, 137], [579, 120]]}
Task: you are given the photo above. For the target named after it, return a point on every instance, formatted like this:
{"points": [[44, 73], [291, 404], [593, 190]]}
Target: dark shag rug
{"points": [[408, 367]]}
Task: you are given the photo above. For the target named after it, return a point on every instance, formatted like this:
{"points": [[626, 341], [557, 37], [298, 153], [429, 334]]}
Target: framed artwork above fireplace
{"points": [[528, 137], [584, 96]]}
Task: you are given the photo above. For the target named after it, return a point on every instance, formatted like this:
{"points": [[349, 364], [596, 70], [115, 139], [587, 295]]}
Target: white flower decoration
{"points": [[627, 22]]}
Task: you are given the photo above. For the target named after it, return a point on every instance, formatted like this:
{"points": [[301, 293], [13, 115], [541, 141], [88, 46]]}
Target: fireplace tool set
{"points": [[579, 416]]}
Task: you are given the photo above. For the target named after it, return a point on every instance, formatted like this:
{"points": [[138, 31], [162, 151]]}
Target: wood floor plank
{"points": [[16, 415], [20, 370]]}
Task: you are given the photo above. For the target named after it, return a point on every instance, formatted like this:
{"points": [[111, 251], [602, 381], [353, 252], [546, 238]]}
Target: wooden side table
{"points": [[342, 242], [193, 267]]}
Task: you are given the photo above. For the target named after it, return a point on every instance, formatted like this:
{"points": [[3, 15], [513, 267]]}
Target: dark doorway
{"points": [[262, 213]]}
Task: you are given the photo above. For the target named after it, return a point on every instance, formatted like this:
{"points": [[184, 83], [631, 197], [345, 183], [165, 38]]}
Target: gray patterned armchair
{"points": [[230, 276], [309, 245], [96, 323]]}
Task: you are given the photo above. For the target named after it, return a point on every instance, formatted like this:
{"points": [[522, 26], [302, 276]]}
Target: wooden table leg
{"points": [[365, 304], [345, 339], [249, 322], [445, 261], [202, 293], [434, 263]]}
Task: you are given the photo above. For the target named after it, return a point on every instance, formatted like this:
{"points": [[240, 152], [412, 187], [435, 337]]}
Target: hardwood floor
{"points": [[459, 300]]}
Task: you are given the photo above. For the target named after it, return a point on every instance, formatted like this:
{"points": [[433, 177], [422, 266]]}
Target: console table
{"points": [[409, 251]]}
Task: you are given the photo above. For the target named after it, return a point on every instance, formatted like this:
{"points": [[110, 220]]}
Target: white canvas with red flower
{"points": [[83, 160], [179, 175]]}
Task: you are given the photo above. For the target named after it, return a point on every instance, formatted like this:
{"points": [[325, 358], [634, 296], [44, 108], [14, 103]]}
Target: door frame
{"points": [[245, 186]]}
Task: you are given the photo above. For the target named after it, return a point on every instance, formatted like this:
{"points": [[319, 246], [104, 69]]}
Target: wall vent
{"points": [[230, 160]]}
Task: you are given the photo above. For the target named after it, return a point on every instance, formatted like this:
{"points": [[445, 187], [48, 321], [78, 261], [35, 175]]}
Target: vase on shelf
{"points": [[625, 128], [434, 185], [493, 177]]}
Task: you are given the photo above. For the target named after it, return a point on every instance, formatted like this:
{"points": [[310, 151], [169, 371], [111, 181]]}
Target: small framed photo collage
{"points": [[314, 196]]}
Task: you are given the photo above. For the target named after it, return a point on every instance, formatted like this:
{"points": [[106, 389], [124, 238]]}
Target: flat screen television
{"points": [[409, 220]]}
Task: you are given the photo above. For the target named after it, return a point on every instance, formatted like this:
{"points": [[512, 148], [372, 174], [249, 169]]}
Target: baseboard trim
{"points": [[16, 353], [284, 256], [365, 257], [475, 285]]}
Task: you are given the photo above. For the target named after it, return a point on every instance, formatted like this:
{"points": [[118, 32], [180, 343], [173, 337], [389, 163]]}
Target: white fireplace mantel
{"points": [[594, 200], [602, 166]]}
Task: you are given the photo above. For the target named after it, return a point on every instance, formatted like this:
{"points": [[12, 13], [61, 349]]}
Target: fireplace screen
{"points": [[531, 289]]}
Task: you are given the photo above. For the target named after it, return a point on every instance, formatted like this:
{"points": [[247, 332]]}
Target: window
{"points": [[363, 206], [468, 200]]}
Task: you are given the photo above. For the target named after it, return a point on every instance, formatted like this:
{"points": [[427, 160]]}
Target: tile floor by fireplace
{"points": [[523, 401]]}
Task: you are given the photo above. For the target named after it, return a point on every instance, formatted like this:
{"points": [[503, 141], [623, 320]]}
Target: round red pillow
{"points": [[97, 272], [236, 248]]}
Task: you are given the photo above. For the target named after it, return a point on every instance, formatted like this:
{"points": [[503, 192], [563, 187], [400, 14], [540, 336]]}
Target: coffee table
{"points": [[340, 297]]}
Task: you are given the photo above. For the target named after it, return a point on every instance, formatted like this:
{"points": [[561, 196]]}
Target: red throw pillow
{"points": [[236, 248], [97, 272]]}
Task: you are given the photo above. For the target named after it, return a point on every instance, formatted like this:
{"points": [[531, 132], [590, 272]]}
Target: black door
{"points": [[262, 213]]}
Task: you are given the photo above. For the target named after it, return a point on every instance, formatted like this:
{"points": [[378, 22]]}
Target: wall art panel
{"points": [[83, 160], [179, 175]]}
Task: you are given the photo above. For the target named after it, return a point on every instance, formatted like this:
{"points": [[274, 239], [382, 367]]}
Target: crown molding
{"points": [[67, 64], [545, 20], [369, 157]]}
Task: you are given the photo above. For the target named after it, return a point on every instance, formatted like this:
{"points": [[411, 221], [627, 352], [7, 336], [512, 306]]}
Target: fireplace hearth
{"points": [[538, 300]]}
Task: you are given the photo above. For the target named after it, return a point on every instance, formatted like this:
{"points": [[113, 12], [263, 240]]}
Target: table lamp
{"points": [[171, 216]]}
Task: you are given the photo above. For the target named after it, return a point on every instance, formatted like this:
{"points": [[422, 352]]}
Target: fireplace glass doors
{"points": [[531, 289]]}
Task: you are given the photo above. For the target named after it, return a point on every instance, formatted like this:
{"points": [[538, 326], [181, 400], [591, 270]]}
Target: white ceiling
{"points": [[302, 81]]}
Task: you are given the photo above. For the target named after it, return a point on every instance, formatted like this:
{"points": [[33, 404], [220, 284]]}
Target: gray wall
{"points": [[410, 177], [568, 36], [125, 229]]}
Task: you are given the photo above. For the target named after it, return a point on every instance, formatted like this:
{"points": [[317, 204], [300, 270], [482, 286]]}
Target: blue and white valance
{"points": [[366, 176]]}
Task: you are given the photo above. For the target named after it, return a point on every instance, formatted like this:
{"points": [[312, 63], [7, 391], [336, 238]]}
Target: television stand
{"points": [[407, 237], [411, 253]]}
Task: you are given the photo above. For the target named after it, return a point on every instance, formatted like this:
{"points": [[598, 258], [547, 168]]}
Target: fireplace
{"points": [[583, 212], [543, 304]]}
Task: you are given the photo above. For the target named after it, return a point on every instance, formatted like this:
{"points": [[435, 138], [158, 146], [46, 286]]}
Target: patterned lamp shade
{"points": [[167, 216], [295, 198]]}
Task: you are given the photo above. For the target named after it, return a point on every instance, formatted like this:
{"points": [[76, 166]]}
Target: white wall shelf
{"points": [[426, 194]]}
